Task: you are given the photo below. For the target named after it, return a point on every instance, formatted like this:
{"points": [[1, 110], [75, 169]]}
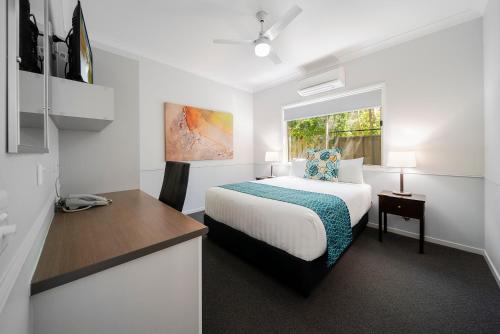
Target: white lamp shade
{"points": [[272, 156], [402, 159]]}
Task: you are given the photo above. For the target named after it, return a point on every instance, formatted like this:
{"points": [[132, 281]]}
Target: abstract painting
{"points": [[193, 133]]}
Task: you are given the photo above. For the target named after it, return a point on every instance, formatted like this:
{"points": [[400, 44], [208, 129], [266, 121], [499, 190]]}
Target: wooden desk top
{"points": [[83, 243]]}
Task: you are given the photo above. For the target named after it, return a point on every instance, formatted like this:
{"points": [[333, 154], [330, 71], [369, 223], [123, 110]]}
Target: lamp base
{"points": [[401, 193]]}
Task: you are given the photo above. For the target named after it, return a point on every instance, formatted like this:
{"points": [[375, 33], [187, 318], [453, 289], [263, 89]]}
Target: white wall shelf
{"points": [[74, 105]]}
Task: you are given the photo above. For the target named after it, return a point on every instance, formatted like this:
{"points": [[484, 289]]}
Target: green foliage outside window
{"points": [[309, 130], [357, 133]]}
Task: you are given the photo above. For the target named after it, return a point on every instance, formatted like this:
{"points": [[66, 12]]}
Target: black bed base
{"points": [[299, 274]]}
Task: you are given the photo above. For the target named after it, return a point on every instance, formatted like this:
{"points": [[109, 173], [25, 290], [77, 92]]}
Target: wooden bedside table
{"points": [[264, 177], [405, 206]]}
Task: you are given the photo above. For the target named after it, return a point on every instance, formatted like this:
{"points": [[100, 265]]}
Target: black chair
{"points": [[175, 182]]}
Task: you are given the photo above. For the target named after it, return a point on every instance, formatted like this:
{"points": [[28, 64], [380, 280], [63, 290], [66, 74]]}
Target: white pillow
{"points": [[298, 167], [351, 170]]}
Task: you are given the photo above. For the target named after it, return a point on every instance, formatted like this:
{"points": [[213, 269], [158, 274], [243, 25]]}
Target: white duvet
{"points": [[293, 228]]}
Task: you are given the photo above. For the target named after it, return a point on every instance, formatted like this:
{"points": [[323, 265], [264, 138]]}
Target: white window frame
{"points": [[380, 86]]}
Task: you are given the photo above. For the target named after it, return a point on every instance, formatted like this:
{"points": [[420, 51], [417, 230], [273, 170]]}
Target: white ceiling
{"points": [[180, 33]]}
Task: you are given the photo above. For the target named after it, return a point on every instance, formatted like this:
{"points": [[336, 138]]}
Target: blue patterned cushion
{"points": [[323, 164]]}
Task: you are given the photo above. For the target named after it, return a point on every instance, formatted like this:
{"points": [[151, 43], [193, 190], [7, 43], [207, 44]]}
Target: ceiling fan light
{"points": [[262, 49]]}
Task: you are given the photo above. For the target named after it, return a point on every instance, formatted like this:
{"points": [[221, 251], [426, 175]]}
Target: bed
{"points": [[285, 239]]}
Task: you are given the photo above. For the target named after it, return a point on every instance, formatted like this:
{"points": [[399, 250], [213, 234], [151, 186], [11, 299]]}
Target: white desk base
{"points": [[156, 293]]}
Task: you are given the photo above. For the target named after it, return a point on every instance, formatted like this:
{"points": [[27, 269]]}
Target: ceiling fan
{"points": [[262, 46]]}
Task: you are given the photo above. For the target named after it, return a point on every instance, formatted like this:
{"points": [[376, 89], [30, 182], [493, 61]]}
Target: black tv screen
{"points": [[80, 52], [28, 39]]}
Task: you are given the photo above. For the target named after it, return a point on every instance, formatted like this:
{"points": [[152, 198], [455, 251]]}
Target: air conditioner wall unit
{"points": [[323, 82]]}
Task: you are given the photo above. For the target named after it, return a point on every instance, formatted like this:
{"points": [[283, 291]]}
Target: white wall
{"points": [[106, 161], [434, 104], [161, 83], [29, 207], [492, 131]]}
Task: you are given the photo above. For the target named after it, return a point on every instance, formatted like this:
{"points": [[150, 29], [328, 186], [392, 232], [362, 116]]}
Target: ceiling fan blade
{"points": [[274, 58], [278, 27], [233, 41]]}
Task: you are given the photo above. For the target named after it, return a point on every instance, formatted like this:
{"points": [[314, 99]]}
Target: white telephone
{"points": [[80, 202]]}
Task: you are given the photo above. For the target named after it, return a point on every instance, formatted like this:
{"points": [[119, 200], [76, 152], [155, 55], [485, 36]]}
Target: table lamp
{"points": [[402, 160], [272, 157]]}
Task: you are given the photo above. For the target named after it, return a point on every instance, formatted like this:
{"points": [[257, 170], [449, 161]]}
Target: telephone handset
{"points": [[80, 202]]}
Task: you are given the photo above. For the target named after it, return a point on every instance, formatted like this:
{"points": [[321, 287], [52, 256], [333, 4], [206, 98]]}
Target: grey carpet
{"points": [[374, 288]]}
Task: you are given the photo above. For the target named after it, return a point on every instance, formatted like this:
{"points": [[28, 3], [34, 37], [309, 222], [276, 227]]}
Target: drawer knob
{"points": [[399, 206]]}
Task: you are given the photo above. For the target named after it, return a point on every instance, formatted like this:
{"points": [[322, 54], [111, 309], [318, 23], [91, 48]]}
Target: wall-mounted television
{"points": [[80, 65], [28, 39]]}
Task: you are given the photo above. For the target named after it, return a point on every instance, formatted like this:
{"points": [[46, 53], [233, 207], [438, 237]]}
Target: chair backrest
{"points": [[175, 182]]}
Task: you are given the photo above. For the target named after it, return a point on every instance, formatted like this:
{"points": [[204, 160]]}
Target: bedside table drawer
{"points": [[408, 206], [401, 207]]}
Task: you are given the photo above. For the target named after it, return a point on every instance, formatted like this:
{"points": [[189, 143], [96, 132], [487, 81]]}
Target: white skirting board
{"points": [[441, 242], [494, 270], [446, 243]]}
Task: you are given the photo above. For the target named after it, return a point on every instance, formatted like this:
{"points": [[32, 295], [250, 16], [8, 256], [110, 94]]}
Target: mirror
{"points": [[28, 75]]}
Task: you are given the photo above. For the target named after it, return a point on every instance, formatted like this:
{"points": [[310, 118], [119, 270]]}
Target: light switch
{"points": [[5, 229], [39, 174], [3, 200]]}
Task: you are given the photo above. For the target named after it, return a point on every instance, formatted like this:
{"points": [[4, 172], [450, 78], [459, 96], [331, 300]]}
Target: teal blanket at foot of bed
{"points": [[332, 210]]}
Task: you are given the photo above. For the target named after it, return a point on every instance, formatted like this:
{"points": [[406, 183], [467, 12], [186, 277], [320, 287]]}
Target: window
{"points": [[357, 133]]}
